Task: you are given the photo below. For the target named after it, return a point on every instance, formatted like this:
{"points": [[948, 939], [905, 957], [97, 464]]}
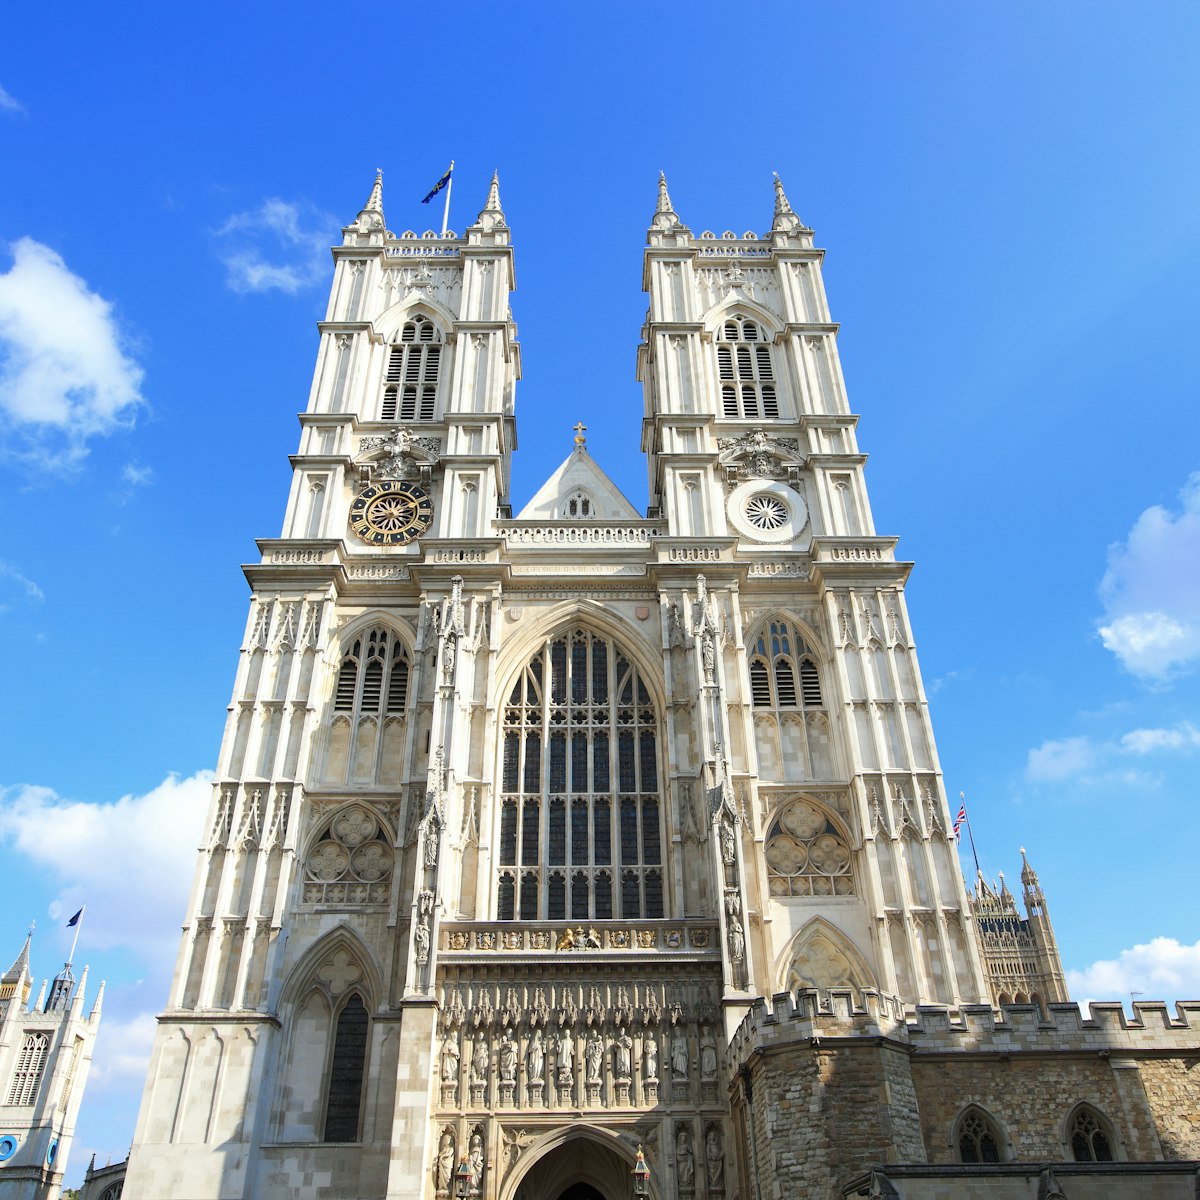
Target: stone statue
{"points": [[506, 1059], [685, 1160], [737, 941], [535, 1059], [566, 1055], [714, 1159], [650, 1056], [622, 1055], [708, 1055], [679, 1054], [421, 936], [450, 1057], [594, 1055], [475, 1162], [479, 1061], [443, 1163]]}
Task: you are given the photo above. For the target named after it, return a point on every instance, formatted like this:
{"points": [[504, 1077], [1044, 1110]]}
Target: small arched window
{"points": [[373, 677], [783, 670], [346, 1071], [410, 384], [1089, 1135], [30, 1065], [744, 370], [579, 504], [978, 1139]]}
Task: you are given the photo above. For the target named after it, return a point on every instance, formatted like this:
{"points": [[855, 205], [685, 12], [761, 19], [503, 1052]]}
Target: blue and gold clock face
{"points": [[391, 513]]}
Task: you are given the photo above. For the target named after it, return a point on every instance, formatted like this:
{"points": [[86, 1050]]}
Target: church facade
{"points": [[542, 841]]}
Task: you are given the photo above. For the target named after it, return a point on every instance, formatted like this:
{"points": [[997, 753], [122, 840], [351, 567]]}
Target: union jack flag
{"points": [[958, 821]]}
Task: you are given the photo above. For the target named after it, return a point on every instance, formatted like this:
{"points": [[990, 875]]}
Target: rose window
{"points": [[807, 855], [766, 512], [351, 862]]}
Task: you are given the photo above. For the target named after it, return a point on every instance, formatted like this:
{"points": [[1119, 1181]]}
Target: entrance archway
{"points": [[577, 1164]]}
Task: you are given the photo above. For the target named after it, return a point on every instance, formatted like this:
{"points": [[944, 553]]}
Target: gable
{"points": [[579, 474]]}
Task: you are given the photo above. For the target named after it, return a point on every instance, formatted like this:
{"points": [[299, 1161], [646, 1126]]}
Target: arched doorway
{"points": [[580, 1166]]}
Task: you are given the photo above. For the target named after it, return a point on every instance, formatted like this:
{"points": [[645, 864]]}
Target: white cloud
{"points": [[1185, 736], [1151, 590], [1058, 760], [9, 575], [9, 103], [1161, 969], [130, 861], [122, 1053], [135, 475], [63, 371], [280, 246]]}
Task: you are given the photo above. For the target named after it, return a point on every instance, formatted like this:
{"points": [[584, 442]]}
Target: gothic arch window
{"points": [[347, 1069], [113, 1191], [744, 370], [31, 1062], [978, 1138], [411, 379], [579, 504], [1090, 1136], [790, 718], [350, 860], [581, 813], [807, 853], [369, 701]]}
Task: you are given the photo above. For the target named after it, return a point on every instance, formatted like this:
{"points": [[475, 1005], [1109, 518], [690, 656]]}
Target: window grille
{"points": [[747, 380], [381, 685], [410, 382], [346, 1072], [1090, 1139], [788, 655], [30, 1065], [580, 788], [978, 1139]]}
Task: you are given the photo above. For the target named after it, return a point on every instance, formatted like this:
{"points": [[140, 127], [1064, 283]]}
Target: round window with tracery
{"points": [[351, 862], [807, 855], [766, 512]]}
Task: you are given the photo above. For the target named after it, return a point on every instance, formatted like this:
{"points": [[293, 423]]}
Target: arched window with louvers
{"points": [[787, 695], [413, 365], [746, 374], [580, 833], [370, 704]]}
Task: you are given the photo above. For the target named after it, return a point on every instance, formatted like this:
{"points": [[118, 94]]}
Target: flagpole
{"points": [[75, 939], [970, 832], [446, 209]]}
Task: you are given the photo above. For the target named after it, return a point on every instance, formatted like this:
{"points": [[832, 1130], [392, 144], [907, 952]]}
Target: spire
{"points": [[1028, 874], [97, 1004], [20, 968], [492, 215], [371, 216], [665, 216], [785, 220]]}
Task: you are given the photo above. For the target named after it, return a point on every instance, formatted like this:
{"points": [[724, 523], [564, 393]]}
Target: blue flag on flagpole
{"points": [[75, 919], [437, 187]]}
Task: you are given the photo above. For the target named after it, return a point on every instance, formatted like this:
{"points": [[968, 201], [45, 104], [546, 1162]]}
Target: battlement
{"points": [[1018, 1028]]}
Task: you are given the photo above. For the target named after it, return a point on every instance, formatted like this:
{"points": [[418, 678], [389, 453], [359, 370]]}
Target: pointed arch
{"points": [[809, 849], [306, 974], [1089, 1136], [392, 320], [729, 306], [348, 857], [822, 956], [977, 1137], [578, 1152]]}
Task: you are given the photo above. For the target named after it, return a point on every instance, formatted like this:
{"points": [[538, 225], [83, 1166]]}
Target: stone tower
{"points": [[519, 821], [45, 1054]]}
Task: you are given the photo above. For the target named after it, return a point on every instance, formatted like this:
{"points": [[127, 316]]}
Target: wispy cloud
{"points": [[1184, 736], [9, 103], [1151, 591], [64, 374], [1097, 760], [280, 246], [1161, 969], [13, 580]]}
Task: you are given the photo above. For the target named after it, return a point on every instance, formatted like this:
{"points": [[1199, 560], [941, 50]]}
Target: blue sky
{"points": [[1009, 199]]}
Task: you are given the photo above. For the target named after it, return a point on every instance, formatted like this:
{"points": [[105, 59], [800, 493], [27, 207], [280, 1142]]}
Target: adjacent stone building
{"points": [[540, 838]]}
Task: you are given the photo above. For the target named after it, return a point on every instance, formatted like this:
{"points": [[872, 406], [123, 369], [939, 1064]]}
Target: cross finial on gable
{"points": [[580, 429]]}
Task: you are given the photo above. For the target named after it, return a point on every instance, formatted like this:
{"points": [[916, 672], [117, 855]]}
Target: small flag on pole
{"points": [[441, 183], [75, 919], [958, 821]]}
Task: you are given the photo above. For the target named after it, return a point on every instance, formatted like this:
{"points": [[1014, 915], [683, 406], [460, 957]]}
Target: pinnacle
{"points": [[782, 205], [785, 216], [493, 197], [375, 200], [664, 198], [20, 967]]}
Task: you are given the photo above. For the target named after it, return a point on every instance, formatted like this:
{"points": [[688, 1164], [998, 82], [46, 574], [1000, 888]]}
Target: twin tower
{"points": [[542, 838]]}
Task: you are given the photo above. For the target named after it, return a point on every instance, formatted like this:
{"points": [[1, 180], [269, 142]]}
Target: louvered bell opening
{"points": [[426, 331], [731, 331], [409, 333], [749, 402], [388, 411], [745, 370], [412, 365], [433, 358], [347, 676], [397, 691], [760, 686], [810, 684], [729, 403], [785, 683], [395, 364], [724, 362], [749, 332], [762, 357], [372, 686], [408, 404], [770, 402], [428, 403]]}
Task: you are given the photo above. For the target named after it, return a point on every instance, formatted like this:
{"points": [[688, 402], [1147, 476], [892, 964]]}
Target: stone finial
{"points": [[665, 217], [1028, 874], [492, 215], [580, 432], [785, 218], [371, 216]]}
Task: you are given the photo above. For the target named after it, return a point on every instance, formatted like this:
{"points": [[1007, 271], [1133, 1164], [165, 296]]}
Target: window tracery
{"points": [[807, 854], [411, 378], [744, 369], [580, 816], [978, 1139], [1090, 1137], [351, 860], [346, 1069], [579, 504], [30, 1065]]}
